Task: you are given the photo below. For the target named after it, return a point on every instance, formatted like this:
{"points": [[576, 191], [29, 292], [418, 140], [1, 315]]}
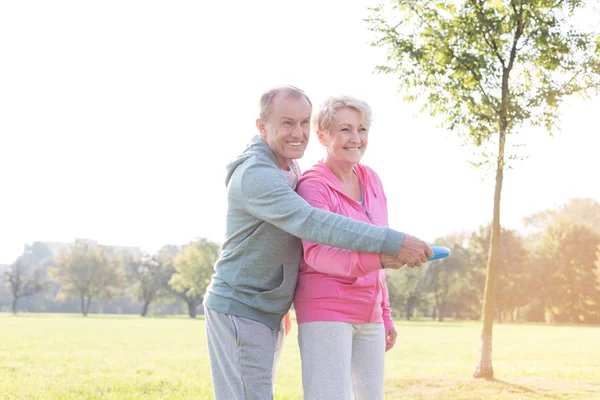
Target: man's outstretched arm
{"points": [[268, 197]]}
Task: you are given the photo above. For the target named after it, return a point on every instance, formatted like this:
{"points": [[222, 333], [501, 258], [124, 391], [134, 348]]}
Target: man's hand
{"points": [[390, 338], [414, 252]]}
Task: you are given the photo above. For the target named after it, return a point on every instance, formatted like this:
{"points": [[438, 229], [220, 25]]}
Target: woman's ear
{"points": [[322, 137]]}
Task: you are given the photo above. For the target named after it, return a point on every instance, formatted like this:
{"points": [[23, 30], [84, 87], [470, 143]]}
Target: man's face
{"points": [[287, 128]]}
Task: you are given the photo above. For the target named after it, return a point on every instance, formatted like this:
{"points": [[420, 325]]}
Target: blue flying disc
{"points": [[439, 252]]}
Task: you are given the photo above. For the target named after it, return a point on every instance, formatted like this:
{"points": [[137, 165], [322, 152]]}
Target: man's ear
{"points": [[260, 125]]}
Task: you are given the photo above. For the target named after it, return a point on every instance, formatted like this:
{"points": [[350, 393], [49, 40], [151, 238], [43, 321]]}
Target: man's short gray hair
{"points": [[266, 100], [327, 111]]}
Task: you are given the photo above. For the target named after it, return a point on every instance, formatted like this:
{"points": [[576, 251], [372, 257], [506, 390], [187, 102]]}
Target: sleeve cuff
{"points": [[392, 243], [388, 324], [369, 262]]}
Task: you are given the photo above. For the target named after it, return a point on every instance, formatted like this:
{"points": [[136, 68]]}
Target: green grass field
{"points": [[47, 356]]}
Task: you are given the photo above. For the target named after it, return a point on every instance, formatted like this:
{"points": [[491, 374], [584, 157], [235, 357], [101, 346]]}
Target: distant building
{"points": [[57, 247]]}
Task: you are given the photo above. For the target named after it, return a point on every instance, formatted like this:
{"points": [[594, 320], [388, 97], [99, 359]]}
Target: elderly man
{"points": [[253, 286]]}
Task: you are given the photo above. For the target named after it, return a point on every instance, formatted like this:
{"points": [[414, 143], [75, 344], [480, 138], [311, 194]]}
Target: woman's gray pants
{"points": [[342, 360]]}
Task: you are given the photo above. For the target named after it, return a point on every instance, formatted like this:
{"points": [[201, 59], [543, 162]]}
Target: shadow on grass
{"points": [[514, 386], [453, 388], [546, 393]]}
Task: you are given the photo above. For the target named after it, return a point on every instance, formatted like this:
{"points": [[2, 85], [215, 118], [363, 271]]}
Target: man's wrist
{"points": [[392, 243]]}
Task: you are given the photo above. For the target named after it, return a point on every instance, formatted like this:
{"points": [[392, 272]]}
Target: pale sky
{"points": [[117, 119]]}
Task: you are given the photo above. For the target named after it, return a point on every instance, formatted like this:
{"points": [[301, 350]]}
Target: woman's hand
{"points": [[390, 339], [390, 262]]}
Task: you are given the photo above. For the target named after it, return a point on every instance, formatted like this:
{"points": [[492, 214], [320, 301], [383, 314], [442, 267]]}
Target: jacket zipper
{"points": [[366, 211], [362, 205], [377, 286], [377, 281]]}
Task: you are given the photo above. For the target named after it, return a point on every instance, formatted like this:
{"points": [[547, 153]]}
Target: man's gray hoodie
{"points": [[257, 271]]}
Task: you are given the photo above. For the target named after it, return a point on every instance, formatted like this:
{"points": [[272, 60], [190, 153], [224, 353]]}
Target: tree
{"points": [[446, 278], [395, 294], [193, 268], [514, 279], [39, 256], [406, 291], [488, 67], [567, 257], [21, 283], [26, 276], [584, 212], [88, 272], [148, 277]]}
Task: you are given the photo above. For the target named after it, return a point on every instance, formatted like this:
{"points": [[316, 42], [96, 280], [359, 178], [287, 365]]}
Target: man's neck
{"points": [[284, 164]]}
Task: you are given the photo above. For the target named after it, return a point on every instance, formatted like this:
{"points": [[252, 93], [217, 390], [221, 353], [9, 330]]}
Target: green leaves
{"points": [[567, 252], [88, 271], [194, 267], [478, 62]]}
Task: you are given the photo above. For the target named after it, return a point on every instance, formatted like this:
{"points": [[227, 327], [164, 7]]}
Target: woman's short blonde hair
{"points": [[326, 113]]}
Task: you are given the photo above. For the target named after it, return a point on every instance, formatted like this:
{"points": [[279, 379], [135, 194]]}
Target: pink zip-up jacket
{"points": [[337, 284]]}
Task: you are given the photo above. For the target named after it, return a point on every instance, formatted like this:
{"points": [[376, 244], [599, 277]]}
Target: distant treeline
{"points": [[552, 274]]}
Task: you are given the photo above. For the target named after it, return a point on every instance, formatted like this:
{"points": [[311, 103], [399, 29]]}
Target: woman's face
{"points": [[348, 137]]}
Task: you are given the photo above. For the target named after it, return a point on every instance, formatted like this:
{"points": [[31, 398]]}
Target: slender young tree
{"points": [[489, 67]]}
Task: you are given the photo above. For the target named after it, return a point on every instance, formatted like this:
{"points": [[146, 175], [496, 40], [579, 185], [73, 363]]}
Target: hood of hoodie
{"points": [[322, 172], [256, 147]]}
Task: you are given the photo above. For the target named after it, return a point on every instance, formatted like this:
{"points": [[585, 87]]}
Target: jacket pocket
{"points": [[278, 300], [317, 287], [361, 291]]}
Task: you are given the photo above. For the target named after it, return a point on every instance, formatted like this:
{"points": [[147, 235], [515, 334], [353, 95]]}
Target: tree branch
{"points": [[491, 42], [440, 36], [562, 91], [517, 36]]}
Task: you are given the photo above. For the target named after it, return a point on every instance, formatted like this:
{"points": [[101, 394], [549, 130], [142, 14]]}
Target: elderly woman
{"points": [[341, 299]]}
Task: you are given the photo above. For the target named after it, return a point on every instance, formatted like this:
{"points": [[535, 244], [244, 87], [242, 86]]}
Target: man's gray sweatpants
{"points": [[243, 356]]}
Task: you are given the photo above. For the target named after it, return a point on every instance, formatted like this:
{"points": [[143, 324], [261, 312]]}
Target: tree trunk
{"points": [[484, 368], [145, 308], [83, 307], [437, 302], [441, 312], [192, 308], [409, 307], [14, 305], [88, 305], [86, 302]]}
